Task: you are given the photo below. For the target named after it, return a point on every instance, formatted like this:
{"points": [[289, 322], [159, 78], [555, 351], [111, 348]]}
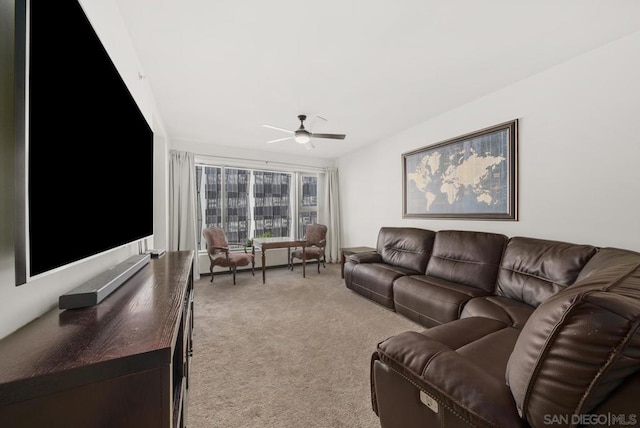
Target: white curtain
{"points": [[331, 214], [182, 205]]}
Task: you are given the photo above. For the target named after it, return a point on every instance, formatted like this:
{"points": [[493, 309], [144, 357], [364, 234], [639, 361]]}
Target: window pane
{"points": [[309, 191], [271, 194], [237, 205], [209, 199], [308, 210]]}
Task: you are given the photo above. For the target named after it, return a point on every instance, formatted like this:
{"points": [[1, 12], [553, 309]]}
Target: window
{"points": [[247, 203], [223, 201], [211, 200], [236, 204], [308, 206], [271, 212]]}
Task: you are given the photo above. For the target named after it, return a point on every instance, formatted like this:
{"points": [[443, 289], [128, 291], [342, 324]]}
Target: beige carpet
{"points": [[293, 352]]}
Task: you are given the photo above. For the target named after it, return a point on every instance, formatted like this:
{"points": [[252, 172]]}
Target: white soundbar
{"points": [[99, 287]]}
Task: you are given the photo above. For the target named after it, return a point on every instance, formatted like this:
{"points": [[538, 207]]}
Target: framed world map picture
{"points": [[473, 176]]}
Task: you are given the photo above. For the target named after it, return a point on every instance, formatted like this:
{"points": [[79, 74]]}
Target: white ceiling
{"points": [[221, 68]]}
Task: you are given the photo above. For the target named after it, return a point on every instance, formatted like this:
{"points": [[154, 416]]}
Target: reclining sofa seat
{"points": [[463, 265], [399, 251], [577, 354], [531, 271]]}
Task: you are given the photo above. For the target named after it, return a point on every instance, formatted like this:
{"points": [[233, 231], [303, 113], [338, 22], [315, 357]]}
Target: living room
{"points": [[577, 179]]}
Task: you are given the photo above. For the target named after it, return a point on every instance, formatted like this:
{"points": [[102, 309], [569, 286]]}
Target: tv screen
{"points": [[89, 148]]}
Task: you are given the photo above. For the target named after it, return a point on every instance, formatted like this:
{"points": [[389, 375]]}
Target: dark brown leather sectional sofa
{"points": [[523, 332]]}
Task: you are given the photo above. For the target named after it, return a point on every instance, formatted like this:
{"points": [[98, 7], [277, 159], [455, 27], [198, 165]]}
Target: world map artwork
{"points": [[465, 177]]}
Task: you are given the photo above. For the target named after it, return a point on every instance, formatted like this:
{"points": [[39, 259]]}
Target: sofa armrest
{"points": [[370, 257], [451, 379]]}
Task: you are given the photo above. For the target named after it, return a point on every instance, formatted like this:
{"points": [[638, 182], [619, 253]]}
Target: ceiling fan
{"points": [[302, 136]]}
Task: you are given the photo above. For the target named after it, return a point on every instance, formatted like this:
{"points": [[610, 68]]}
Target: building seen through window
{"points": [[249, 203], [308, 208]]}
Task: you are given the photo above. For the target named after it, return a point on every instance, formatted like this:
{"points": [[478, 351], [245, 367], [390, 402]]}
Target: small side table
{"points": [[344, 252]]}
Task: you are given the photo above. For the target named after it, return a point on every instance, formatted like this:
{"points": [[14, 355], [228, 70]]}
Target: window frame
{"points": [[295, 193]]}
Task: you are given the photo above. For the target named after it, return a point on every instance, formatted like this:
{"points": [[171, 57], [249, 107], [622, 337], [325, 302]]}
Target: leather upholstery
{"points": [[608, 259], [589, 334], [434, 361], [409, 248], [532, 270], [558, 335], [431, 301], [400, 251], [374, 280], [373, 257], [468, 258], [462, 265], [509, 311]]}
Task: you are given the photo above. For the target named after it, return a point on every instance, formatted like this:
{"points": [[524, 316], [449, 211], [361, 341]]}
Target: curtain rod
{"points": [[265, 162]]}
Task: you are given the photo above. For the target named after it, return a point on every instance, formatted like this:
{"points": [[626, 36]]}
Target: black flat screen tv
{"points": [[88, 147]]}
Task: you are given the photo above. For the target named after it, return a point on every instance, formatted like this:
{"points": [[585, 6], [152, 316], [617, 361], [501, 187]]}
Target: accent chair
{"points": [[219, 254], [316, 239]]}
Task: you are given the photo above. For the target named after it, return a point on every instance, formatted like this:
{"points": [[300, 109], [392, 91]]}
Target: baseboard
{"points": [[225, 271]]}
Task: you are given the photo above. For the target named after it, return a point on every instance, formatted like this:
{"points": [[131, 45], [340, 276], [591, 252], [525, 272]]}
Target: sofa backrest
{"points": [[469, 258], [406, 247], [606, 259], [579, 347], [532, 270]]}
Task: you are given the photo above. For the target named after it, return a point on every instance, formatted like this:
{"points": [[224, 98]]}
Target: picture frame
{"points": [[473, 176]]}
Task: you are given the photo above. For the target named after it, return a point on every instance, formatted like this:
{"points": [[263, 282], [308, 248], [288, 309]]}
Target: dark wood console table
{"points": [[122, 363]]}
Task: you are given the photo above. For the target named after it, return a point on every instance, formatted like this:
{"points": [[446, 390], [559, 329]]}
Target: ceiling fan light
{"points": [[302, 138]]}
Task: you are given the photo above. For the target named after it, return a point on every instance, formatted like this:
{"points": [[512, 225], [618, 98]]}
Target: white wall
{"points": [[160, 191], [579, 156], [19, 305], [216, 150]]}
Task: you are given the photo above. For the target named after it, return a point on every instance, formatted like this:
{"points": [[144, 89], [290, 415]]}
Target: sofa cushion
{"points": [[588, 334], [459, 333], [405, 247], [532, 270], [467, 258], [607, 259], [374, 280], [488, 343], [509, 311], [431, 301]]}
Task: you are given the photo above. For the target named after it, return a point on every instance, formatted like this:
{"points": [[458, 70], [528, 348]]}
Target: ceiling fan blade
{"points": [[310, 145], [315, 122], [278, 129], [279, 139], [333, 136]]}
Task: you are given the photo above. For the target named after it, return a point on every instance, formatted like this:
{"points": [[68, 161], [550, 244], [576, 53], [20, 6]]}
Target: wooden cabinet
{"points": [[122, 363]]}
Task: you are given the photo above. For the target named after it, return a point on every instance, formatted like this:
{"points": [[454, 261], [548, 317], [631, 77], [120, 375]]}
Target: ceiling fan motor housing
{"points": [[301, 135]]}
